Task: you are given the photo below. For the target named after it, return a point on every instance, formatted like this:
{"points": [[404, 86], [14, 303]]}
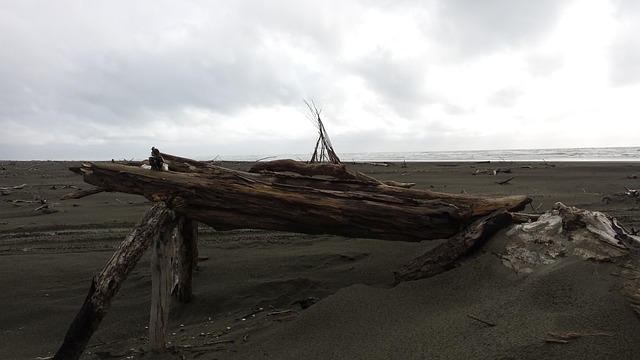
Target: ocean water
{"points": [[569, 154]]}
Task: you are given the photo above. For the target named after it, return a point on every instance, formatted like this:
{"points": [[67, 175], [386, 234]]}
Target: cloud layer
{"points": [[86, 80]]}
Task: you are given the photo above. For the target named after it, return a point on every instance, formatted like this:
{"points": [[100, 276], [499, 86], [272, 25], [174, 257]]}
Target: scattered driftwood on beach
{"points": [[10, 189], [630, 195]]}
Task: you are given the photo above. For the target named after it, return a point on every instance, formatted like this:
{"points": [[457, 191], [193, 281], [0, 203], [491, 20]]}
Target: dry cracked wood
{"points": [[227, 199]]}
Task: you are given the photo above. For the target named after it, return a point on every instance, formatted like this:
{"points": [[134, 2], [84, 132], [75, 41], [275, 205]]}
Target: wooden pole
{"points": [[161, 275], [186, 259], [105, 285]]}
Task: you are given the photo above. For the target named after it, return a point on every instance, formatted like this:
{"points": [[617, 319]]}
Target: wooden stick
{"points": [[482, 321], [82, 193], [17, 187], [10, 189], [106, 285], [518, 217], [504, 181]]}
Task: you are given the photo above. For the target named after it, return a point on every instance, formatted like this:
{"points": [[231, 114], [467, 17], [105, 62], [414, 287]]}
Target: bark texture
{"points": [[186, 258], [162, 251], [227, 199]]}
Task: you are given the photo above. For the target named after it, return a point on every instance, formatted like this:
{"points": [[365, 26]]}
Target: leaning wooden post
{"points": [[105, 285], [444, 256], [187, 258], [161, 275]]}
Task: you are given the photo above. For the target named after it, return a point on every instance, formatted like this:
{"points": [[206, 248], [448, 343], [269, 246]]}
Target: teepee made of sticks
{"points": [[323, 152]]}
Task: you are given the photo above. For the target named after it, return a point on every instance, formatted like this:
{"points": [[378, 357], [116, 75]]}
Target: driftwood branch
{"points": [[504, 181], [82, 193], [445, 256], [10, 189]]}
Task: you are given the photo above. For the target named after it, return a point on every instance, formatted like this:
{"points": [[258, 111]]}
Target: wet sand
{"points": [[248, 281]]}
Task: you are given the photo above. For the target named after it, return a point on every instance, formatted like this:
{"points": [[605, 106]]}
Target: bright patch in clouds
{"points": [[207, 78]]}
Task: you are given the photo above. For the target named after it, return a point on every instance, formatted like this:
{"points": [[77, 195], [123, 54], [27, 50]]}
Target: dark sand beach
{"points": [[249, 281]]}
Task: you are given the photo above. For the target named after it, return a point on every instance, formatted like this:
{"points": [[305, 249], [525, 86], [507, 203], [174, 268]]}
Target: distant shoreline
{"points": [[606, 154]]}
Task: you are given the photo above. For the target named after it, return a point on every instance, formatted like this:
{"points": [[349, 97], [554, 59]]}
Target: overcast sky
{"points": [[110, 79]]}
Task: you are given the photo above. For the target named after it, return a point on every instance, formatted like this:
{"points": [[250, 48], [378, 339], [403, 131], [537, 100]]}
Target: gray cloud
{"points": [[92, 75], [453, 109], [399, 83], [469, 27], [543, 64], [505, 98], [118, 71], [106, 65], [625, 51]]}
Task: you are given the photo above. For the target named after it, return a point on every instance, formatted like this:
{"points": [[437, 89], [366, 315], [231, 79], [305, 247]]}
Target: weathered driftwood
{"points": [[566, 231], [186, 258], [445, 256], [502, 182], [10, 189], [105, 285], [226, 199], [338, 171], [82, 193], [162, 250], [491, 172]]}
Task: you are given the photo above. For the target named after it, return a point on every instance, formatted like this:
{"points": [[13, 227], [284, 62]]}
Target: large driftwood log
{"points": [[226, 199], [107, 283]]}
